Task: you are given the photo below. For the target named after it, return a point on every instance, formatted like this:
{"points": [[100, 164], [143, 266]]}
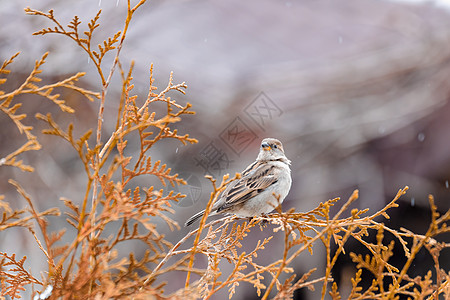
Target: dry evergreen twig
{"points": [[9, 108], [90, 266]]}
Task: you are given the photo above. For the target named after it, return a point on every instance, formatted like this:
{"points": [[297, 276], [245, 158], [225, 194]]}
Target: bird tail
{"points": [[194, 218]]}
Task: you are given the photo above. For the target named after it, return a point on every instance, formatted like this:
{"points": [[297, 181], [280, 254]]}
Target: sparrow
{"points": [[263, 185]]}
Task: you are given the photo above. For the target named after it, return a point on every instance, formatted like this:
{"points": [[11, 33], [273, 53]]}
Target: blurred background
{"points": [[356, 90]]}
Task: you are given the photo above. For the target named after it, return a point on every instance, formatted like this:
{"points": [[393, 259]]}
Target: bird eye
{"points": [[275, 146]]}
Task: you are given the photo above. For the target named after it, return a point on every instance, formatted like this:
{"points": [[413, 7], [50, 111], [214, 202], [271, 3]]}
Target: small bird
{"points": [[253, 193]]}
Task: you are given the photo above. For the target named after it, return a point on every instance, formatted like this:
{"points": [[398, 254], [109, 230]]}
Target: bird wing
{"points": [[256, 178]]}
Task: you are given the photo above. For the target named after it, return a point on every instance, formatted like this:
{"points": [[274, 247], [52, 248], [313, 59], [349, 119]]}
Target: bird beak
{"points": [[265, 146]]}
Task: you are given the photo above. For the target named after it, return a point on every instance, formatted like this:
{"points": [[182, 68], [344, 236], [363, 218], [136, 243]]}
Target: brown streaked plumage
{"points": [[253, 193]]}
